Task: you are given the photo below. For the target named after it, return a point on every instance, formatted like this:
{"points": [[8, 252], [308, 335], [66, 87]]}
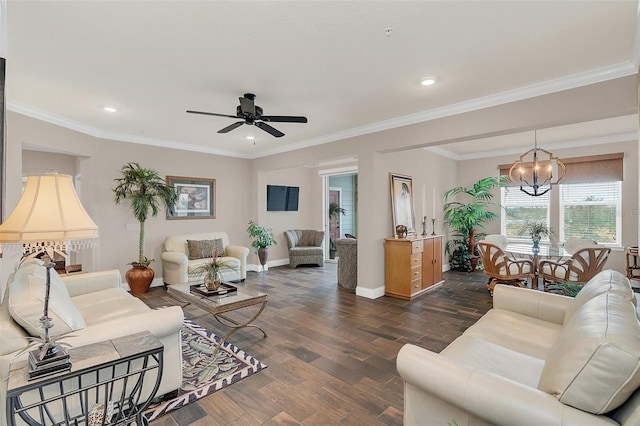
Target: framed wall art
{"points": [[402, 202], [196, 198]]}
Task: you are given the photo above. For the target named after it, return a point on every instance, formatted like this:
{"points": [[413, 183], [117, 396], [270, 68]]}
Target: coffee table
{"points": [[218, 306]]}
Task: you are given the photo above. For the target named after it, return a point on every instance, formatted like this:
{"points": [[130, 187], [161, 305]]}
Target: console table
{"points": [[412, 265], [119, 377]]}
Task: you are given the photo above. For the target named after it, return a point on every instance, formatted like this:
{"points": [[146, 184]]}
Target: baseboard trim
{"points": [[370, 293], [271, 263]]}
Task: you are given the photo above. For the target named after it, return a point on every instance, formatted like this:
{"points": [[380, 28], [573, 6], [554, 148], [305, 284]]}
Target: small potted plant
{"points": [[210, 271], [147, 191], [262, 239], [536, 230]]}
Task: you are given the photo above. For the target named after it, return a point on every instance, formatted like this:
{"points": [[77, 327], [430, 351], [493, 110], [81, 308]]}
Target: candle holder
{"points": [[433, 226], [424, 226]]}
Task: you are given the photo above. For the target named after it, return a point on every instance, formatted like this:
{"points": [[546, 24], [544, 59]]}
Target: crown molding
{"points": [[598, 75], [569, 82], [601, 140]]}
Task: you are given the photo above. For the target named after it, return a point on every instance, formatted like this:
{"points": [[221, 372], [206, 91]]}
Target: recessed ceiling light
{"points": [[249, 137], [110, 109], [428, 81]]}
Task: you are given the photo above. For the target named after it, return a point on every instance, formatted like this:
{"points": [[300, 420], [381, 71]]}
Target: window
{"points": [[518, 208], [591, 210]]}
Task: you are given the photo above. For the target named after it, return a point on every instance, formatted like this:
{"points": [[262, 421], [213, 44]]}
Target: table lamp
{"points": [[48, 217]]}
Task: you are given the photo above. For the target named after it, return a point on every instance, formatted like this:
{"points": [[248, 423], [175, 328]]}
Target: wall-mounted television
{"points": [[282, 198]]}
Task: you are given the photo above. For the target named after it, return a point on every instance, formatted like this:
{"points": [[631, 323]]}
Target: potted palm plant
{"points": [[468, 215], [262, 239], [147, 191]]}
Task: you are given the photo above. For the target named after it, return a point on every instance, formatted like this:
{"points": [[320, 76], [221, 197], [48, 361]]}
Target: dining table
{"points": [[528, 251]]}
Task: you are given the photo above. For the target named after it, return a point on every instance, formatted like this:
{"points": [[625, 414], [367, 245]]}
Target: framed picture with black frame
{"points": [[196, 198]]}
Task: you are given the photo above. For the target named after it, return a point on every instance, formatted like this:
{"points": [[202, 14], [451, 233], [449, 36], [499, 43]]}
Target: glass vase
{"points": [[212, 281]]}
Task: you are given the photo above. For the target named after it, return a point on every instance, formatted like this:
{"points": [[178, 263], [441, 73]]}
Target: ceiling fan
{"points": [[251, 114]]}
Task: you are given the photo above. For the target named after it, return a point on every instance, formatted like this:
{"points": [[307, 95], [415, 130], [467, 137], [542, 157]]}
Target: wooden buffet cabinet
{"points": [[412, 265]]}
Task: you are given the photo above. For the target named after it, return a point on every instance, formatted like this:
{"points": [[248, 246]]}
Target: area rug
{"points": [[204, 372]]}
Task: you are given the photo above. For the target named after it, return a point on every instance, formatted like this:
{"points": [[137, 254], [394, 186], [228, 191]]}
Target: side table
{"points": [[114, 381]]}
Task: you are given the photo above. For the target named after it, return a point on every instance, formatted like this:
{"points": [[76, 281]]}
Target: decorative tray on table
{"points": [[223, 289]]}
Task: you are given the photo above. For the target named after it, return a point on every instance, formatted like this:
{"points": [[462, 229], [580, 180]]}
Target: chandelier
{"points": [[535, 170]]}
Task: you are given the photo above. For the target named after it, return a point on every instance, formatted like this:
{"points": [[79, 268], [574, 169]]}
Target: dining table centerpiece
{"points": [[536, 230]]}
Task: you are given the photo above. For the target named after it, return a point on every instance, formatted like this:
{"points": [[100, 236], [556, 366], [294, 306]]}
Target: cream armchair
{"points": [[179, 262]]}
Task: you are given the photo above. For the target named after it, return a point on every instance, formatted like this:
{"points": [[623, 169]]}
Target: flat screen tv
{"points": [[282, 198]]}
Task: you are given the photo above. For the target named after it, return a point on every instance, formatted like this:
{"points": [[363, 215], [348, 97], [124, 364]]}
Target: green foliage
{"points": [[262, 237], [469, 215], [335, 210], [565, 288], [148, 192], [535, 228]]}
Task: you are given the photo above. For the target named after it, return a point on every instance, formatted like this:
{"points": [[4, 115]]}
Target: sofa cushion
{"points": [[106, 305], [603, 282], [202, 249], [521, 333], [595, 363], [26, 301], [484, 355]]}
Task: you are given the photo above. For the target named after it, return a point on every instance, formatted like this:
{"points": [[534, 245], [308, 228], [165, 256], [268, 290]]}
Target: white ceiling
{"points": [[331, 61]]}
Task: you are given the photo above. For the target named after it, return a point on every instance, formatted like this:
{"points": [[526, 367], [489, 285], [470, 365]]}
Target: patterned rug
{"points": [[204, 373]]}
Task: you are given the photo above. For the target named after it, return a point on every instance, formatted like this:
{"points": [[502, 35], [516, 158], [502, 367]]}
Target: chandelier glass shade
{"points": [[536, 171]]}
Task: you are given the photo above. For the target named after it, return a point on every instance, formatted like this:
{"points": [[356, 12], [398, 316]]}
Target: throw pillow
{"points": [[26, 301], [203, 249]]}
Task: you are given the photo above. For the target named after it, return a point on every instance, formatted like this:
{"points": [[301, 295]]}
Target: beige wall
{"points": [[100, 165], [241, 184], [38, 163]]}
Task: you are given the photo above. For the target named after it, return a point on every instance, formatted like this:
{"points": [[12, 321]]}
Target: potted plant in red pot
{"points": [[147, 192]]}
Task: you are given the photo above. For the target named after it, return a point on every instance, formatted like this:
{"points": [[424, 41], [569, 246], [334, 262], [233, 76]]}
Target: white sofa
{"points": [[178, 266], [534, 359], [91, 307]]}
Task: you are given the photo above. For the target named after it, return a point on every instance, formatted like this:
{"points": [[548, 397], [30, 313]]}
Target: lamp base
{"points": [[55, 360]]}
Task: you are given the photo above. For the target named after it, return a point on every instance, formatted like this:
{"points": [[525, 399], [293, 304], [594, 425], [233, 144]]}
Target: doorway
{"points": [[341, 205]]}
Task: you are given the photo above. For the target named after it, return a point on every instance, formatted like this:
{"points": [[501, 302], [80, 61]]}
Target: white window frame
{"points": [[503, 216], [561, 205]]}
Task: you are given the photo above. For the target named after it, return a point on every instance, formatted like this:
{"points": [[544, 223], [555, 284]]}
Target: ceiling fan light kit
{"points": [[251, 114]]}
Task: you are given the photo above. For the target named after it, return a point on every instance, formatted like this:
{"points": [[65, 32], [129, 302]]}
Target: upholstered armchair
{"points": [[501, 269], [347, 263], [305, 247]]}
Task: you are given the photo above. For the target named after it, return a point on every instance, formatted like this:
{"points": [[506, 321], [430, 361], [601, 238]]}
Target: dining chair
{"points": [[633, 264], [578, 269], [502, 269], [571, 245], [497, 239]]}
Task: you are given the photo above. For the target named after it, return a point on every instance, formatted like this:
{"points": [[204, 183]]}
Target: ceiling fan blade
{"points": [[283, 119], [248, 106], [231, 127], [264, 126], [211, 113]]}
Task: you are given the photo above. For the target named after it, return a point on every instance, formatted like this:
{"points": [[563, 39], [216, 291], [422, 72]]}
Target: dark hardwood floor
{"points": [[330, 355]]}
